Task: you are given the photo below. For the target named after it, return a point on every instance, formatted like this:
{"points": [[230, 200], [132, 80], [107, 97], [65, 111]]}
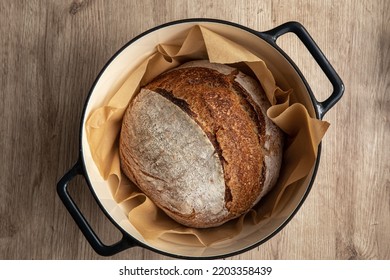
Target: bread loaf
{"points": [[197, 141]]}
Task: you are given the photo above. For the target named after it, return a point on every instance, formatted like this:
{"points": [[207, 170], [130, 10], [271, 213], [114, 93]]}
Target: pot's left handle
{"points": [[86, 229]]}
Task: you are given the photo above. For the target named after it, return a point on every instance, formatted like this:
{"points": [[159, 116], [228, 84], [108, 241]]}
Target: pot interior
{"points": [[112, 78]]}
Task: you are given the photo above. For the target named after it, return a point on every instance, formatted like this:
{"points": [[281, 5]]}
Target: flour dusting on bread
{"points": [[198, 142]]}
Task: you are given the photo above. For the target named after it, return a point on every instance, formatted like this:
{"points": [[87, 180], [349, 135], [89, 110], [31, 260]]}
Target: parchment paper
{"points": [[103, 127]]}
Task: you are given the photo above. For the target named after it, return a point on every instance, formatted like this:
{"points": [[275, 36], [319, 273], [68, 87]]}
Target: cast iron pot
{"points": [[112, 75]]}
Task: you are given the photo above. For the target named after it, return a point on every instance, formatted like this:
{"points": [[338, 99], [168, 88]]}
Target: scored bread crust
{"points": [[198, 142]]}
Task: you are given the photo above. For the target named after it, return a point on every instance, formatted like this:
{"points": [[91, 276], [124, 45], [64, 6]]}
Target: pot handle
{"points": [[90, 235], [307, 40]]}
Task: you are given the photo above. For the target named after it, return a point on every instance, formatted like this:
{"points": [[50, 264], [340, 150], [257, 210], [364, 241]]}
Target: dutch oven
{"points": [[286, 74]]}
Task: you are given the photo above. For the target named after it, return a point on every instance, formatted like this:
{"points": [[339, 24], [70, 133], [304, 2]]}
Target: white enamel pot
{"points": [[124, 61]]}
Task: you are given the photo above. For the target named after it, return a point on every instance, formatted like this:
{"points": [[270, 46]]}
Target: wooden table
{"points": [[51, 52]]}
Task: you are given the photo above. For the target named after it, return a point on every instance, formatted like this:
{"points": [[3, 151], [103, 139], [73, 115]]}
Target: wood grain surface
{"points": [[51, 52]]}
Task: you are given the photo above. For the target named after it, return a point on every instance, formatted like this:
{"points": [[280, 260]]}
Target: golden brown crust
{"points": [[220, 106], [197, 141], [173, 161]]}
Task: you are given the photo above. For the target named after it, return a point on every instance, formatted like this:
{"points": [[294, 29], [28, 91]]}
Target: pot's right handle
{"points": [[86, 229], [307, 40]]}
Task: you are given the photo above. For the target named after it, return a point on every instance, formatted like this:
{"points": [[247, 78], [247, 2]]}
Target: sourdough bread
{"points": [[197, 141]]}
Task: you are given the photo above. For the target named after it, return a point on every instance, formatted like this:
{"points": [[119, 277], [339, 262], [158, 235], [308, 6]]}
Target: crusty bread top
{"points": [[273, 144], [220, 106], [197, 141], [164, 151]]}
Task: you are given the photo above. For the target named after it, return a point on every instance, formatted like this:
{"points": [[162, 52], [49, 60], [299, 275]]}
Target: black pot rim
{"points": [[197, 20]]}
